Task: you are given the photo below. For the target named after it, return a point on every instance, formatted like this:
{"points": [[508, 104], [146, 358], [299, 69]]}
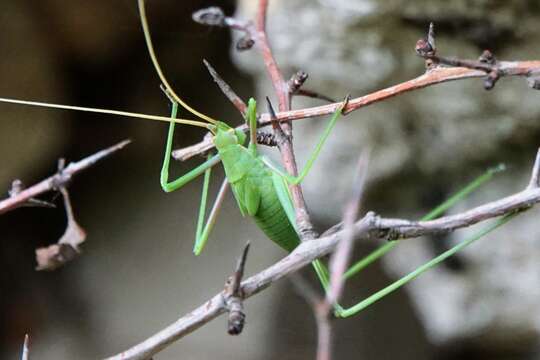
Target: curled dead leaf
{"points": [[52, 257]]}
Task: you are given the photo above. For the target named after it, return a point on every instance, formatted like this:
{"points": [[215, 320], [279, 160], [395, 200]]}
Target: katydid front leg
{"points": [[202, 233]]}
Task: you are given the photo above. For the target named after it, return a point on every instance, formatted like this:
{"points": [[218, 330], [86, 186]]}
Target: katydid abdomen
{"points": [[254, 187]]}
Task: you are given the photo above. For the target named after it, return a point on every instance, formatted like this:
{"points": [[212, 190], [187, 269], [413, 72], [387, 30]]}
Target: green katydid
{"points": [[260, 189]]}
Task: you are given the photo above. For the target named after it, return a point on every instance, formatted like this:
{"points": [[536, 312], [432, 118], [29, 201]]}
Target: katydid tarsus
{"points": [[260, 188]]}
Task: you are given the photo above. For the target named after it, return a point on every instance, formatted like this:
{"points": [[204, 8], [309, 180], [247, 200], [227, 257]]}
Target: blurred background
{"points": [[138, 274]]}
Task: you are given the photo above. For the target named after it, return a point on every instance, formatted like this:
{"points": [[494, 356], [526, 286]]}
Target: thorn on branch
{"points": [[344, 104], [279, 134], [315, 95], [17, 187], [26, 348], [535, 176], [226, 89], [431, 38], [234, 296]]}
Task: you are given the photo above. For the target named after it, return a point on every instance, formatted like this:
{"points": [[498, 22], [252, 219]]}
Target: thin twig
{"points": [[314, 95], [62, 177], [338, 264], [369, 228], [320, 313], [340, 258]]}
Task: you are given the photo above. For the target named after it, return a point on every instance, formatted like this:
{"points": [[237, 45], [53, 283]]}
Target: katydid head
{"points": [[226, 135]]}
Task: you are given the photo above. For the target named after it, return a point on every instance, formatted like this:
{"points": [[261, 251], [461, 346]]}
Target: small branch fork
{"points": [[68, 246], [369, 228], [61, 178]]}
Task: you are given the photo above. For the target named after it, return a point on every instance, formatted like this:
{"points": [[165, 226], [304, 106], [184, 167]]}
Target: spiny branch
{"points": [[369, 228], [435, 76], [59, 179]]}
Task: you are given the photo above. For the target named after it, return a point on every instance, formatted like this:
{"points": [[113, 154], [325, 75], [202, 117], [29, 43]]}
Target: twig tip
{"points": [[535, 176]]}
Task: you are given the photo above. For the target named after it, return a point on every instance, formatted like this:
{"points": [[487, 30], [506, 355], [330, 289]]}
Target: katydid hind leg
{"points": [[323, 273], [309, 164]]}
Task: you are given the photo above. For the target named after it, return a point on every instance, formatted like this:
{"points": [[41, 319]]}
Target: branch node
{"points": [[425, 47], [246, 42], [297, 81], [210, 16], [214, 16], [534, 82], [266, 138], [487, 57], [491, 79], [234, 296]]}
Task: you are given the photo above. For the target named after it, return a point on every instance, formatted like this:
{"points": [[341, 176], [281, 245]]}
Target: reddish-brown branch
{"points": [[281, 89], [434, 76]]}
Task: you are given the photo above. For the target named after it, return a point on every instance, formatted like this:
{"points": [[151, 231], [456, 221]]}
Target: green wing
{"points": [[284, 196]]}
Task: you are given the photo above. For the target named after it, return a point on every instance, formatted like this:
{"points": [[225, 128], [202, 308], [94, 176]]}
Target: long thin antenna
{"points": [[147, 37], [105, 111]]}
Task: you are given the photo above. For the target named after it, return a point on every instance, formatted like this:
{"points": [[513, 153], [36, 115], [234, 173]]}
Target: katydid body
{"points": [[261, 191]]}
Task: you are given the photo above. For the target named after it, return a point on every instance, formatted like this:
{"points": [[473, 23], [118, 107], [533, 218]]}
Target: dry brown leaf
{"points": [[53, 256]]}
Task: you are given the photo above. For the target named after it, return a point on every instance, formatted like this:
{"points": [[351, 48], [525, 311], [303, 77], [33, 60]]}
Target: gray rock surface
{"points": [[426, 142]]}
